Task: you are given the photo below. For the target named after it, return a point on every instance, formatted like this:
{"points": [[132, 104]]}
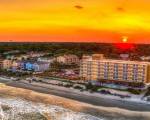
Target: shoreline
{"points": [[98, 111], [94, 100], [85, 97]]}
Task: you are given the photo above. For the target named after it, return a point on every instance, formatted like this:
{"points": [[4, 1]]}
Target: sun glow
{"points": [[125, 39]]}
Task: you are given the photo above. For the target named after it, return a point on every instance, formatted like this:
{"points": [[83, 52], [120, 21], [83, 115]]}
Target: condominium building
{"points": [[115, 70], [68, 59]]}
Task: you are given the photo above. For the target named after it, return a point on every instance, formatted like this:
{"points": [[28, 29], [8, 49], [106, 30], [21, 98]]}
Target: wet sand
{"points": [[108, 112]]}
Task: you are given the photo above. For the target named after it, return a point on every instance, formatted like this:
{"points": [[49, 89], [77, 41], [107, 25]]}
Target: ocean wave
{"points": [[18, 109]]}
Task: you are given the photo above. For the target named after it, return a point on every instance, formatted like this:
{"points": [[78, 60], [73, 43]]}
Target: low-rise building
{"points": [[1, 63], [18, 57], [16, 65], [68, 59], [36, 54], [24, 57], [94, 56], [34, 66], [41, 66], [145, 58], [28, 65], [46, 59], [5, 63], [115, 70]]}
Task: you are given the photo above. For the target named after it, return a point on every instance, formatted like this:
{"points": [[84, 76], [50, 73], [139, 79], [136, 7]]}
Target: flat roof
{"points": [[120, 61]]}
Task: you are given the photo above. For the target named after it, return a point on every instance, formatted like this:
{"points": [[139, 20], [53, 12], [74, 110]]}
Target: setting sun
{"points": [[125, 39]]}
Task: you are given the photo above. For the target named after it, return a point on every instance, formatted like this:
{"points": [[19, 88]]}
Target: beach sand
{"points": [[98, 111]]}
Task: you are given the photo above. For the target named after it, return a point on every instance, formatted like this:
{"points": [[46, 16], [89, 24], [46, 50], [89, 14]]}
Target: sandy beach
{"points": [[97, 99], [109, 112]]}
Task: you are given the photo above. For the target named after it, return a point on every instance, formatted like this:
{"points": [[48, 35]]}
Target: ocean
{"points": [[18, 109]]}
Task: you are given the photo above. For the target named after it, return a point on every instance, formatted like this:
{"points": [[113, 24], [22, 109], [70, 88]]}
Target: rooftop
{"points": [[67, 56], [121, 61]]}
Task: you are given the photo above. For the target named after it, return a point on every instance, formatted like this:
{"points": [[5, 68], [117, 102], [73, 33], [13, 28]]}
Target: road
{"points": [[98, 101]]}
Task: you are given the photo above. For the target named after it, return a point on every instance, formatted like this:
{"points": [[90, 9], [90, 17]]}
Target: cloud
{"points": [[120, 9], [78, 7]]}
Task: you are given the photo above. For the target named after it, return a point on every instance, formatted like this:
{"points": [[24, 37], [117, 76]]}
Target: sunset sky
{"points": [[75, 20]]}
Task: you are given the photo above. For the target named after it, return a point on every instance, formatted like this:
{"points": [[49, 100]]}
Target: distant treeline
{"points": [[110, 50]]}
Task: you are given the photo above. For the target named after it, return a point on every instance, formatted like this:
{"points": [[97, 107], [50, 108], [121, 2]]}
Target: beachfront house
{"points": [[36, 66]]}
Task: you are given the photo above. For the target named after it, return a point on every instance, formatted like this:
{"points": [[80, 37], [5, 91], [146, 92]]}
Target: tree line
{"points": [[54, 49]]}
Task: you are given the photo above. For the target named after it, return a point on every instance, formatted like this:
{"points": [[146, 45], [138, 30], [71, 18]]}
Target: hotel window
{"points": [[135, 69], [115, 67], [106, 68], [99, 66], [115, 76], [125, 71], [143, 70], [125, 77], [143, 78], [106, 71], [105, 76], [125, 66], [135, 75]]}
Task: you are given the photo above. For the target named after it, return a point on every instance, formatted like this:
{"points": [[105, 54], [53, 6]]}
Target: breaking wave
{"points": [[18, 109]]}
